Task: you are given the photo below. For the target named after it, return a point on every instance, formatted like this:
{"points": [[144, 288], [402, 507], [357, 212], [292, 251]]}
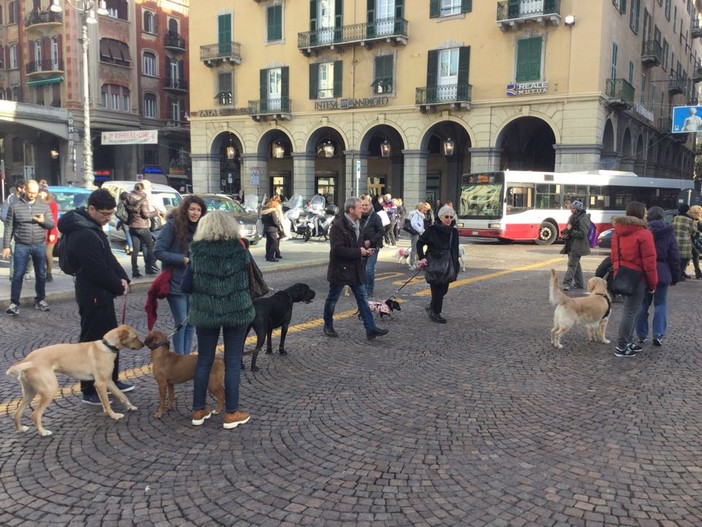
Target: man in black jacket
{"points": [[100, 277], [28, 219], [346, 268]]}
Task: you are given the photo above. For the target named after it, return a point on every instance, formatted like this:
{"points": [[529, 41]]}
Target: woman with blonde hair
{"points": [[220, 302]]}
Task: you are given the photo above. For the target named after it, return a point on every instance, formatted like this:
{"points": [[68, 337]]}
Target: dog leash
{"points": [[419, 270], [124, 307]]}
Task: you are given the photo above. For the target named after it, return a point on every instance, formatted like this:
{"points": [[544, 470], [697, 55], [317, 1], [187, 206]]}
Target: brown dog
{"points": [[171, 368], [85, 361], [591, 311]]}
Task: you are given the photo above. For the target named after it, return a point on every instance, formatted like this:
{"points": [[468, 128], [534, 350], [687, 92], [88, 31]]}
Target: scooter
{"points": [[295, 212], [319, 219]]}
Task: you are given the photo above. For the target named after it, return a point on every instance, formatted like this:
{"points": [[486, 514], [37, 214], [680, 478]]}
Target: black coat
{"points": [[345, 263], [436, 239], [372, 229], [99, 279]]}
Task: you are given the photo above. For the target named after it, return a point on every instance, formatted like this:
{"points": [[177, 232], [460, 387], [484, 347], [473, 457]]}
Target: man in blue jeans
{"points": [[346, 268], [28, 219]]}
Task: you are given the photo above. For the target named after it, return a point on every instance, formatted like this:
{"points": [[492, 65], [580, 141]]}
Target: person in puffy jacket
{"points": [[576, 245], [140, 215], [633, 247], [668, 267]]}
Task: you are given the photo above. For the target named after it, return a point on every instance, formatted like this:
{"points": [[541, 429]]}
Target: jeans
{"points": [[183, 338], [632, 306], [207, 339], [127, 235], [574, 272], [142, 239], [438, 292], [659, 299], [20, 258], [370, 272], [359, 291]]}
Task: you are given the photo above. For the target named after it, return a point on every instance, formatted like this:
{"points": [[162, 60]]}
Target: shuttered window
{"points": [[529, 59], [275, 23]]}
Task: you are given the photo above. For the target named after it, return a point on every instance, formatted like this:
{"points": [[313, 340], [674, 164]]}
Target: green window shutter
{"points": [[529, 59], [285, 88], [263, 90], [434, 8], [513, 8], [314, 80], [466, 6], [338, 77], [399, 9], [225, 28], [338, 20], [463, 65], [313, 15], [275, 22], [370, 18], [432, 68]]}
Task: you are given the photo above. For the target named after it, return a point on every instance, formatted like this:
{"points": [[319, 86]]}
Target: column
{"points": [[571, 158], [303, 174], [415, 177], [205, 173], [484, 159]]}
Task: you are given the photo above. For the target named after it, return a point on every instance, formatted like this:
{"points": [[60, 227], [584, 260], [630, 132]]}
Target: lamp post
{"points": [[87, 14]]}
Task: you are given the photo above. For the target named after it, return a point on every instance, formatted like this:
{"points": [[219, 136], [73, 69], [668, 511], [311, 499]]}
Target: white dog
{"points": [[402, 255]]}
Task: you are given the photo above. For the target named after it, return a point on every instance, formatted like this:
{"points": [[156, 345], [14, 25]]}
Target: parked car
{"points": [[604, 239], [250, 227], [167, 196], [69, 198]]}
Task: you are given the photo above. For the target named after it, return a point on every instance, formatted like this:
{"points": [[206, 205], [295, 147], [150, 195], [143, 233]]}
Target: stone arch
{"points": [[527, 143]]}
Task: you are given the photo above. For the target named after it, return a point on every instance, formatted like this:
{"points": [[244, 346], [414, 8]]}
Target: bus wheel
{"points": [[548, 233]]}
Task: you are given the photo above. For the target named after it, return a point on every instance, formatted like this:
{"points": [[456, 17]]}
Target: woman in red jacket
{"points": [[633, 246]]}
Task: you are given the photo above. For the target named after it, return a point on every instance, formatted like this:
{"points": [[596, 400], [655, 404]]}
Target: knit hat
{"points": [[577, 205], [683, 208]]}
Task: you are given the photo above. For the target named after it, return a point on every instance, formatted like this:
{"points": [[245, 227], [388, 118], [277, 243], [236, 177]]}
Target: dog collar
{"points": [[157, 345], [113, 348], [609, 304]]}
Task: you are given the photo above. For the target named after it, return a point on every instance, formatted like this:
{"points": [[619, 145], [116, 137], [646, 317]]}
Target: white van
{"points": [[168, 196]]}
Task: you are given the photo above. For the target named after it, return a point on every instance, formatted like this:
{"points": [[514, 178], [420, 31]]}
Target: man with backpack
{"points": [[99, 278], [577, 244], [140, 213]]}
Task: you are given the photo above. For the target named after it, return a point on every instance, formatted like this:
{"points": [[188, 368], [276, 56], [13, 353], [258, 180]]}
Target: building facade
{"points": [[343, 96], [137, 71]]}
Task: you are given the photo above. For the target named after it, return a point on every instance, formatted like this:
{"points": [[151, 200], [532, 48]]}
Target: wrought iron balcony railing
{"points": [[511, 12], [676, 84], [262, 108], [696, 28], [446, 94], [173, 40], [620, 90], [392, 29], [42, 17], [44, 65], [213, 54], [176, 84], [652, 53]]}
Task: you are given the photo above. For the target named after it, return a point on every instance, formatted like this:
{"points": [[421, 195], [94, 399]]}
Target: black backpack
{"points": [[65, 263]]}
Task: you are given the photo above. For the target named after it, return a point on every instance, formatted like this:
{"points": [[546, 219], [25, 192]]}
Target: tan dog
{"points": [[591, 311], [171, 368], [85, 361]]}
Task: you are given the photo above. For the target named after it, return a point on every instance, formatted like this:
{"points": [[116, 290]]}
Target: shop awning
{"points": [[50, 80]]}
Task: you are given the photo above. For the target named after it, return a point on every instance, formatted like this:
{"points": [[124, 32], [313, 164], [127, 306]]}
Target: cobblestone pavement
{"points": [[478, 422]]}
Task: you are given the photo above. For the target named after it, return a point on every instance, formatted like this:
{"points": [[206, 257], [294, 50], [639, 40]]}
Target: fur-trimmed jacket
{"points": [[345, 263], [638, 250], [220, 295]]}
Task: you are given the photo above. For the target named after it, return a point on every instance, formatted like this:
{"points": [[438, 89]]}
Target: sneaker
{"points": [[330, 332], [643, 340], [234, 419], [625, 351], [199, 416], [635, 348], [42, 306], [12, 309], [93, 399], [124, 386], [658, 341]]}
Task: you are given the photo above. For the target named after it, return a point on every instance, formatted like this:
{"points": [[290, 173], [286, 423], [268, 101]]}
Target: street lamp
{"points": [[86, 8]]}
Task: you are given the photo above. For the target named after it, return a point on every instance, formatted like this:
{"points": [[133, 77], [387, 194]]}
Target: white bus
{"points": [[521, 205]]}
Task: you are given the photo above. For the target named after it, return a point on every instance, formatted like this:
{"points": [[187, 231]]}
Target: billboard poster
{"points": [[687, 119]]}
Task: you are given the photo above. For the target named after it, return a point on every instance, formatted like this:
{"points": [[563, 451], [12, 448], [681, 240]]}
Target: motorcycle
{"points": [[320, 216], [295, 213]]}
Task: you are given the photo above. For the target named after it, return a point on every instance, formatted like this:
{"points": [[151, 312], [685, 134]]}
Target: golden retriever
{"points": [[85, 361], [591, 311]]}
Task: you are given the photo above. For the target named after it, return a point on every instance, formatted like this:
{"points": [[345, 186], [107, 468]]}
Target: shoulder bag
{"points": [[626, 279], [257, 285], [407, 227], [440, 268]]}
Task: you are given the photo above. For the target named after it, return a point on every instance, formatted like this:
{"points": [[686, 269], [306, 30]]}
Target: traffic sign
{"points": [[255, 176]]}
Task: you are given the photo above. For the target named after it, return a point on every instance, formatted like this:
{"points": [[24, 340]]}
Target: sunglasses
{"points": [[447, 217]]}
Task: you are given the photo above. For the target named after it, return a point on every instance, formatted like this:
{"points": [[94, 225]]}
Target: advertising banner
{"points": [[687, 119], [130, 137]]}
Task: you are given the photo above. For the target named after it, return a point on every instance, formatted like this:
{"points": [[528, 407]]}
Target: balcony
{"points": [[42, 21], [220, 53], [620, 93], [513, 13], [697, 73], [676, 85], [42, 68], [270, 109], [652, 53], [430, 97], [176, 85], [390, 30], [174, 42], [695, 29]]}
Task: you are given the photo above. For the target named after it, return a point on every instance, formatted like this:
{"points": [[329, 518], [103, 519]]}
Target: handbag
{"points": [[697, 241], [440, 268], [257, 285], [626, 279], [407, 227]]}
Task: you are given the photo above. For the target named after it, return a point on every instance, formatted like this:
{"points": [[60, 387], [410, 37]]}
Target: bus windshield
{"points": [[481, 196]]}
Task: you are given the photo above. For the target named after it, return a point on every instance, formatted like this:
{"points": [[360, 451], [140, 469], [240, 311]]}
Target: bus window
{"points": [[548, 196], [620, 197], [519, 199], [597, 199], [573, 192], [480, 200]]}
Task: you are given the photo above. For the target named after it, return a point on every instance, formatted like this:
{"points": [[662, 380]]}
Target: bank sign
{"points": [[687, 119], [526, 88]]}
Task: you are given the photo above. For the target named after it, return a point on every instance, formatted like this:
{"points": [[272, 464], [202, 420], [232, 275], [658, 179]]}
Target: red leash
{"points": [[124, 306]]}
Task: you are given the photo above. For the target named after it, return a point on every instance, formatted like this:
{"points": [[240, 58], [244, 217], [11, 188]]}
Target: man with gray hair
{"points": [[346, 268]]}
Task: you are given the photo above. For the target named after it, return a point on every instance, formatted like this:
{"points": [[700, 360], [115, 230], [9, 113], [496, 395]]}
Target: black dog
{"points": [[274, 312]]}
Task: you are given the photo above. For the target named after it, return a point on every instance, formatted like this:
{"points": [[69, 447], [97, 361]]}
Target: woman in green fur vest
{"points": [[220, 300]]}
